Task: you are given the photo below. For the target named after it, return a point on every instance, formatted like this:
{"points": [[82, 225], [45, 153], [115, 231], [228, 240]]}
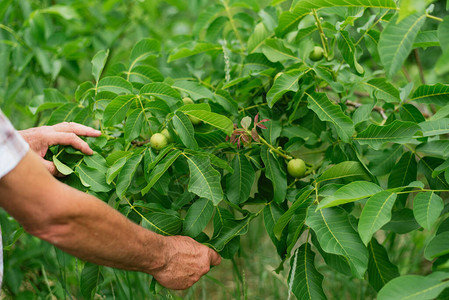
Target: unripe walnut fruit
{"points": [[158, 141], [167, 134], [195, 120], [316, 54], [296, 167], [187, 100]]}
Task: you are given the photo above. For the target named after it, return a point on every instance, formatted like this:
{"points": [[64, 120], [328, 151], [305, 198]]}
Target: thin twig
{"points": [[140, 143], [420, 67], [379, 109]]}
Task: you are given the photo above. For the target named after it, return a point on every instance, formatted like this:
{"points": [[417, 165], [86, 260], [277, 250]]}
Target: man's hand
{"points": [[40, 138], [186, 261]]}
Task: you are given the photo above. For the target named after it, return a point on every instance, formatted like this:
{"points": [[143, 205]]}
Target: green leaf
{"points": [[275, 173], [116, 111], [194, 89], [382, 89], [346, 170], [198, 106], [239, 183], [305, 280], [115, 169], [143, 49], [92, 178], [271, 213], [162, 91], [98, 63], [295, 228], [443, 33], [337, 262], [375, 214], [204, 180], [160, 169], [162, 223], [134, 124], [151, 159], [437, 94], [145, 74], [438, 246], [351, 192], [223, 98], [404, 171], [409, 7], [380, 269], [402, 221], [437, 127], [427, 207], [185, 130], [439, 148], [409, 112], [96, 161], [285, 82], [258, 37], [328, 111], [426, 39], [412, 287], [336, 236], [300, 202], [62, 168], [65, 113], [275, 50], [199, 48], [229, 230], [288, 20], [197, 217], [90, 280], [383, 161], [397, 132], [126, 175], [216, 120], [114, 84], [396, 41], [66, 12], [348, 51]]}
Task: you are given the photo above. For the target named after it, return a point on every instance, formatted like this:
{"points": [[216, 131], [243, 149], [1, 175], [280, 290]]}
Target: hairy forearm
{"points": [[77, 223], [113, 240]]}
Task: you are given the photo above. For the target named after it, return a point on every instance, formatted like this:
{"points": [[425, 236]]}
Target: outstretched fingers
{"points": [[70, 139], [78, 129]]}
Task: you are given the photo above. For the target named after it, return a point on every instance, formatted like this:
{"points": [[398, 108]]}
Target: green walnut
{"points": [[187, 100], [167, 134], [316, 54], [158, 141], [195, 120], [296, 167]]}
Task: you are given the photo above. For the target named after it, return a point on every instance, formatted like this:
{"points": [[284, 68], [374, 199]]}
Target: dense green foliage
{"points": [[368, 115]]}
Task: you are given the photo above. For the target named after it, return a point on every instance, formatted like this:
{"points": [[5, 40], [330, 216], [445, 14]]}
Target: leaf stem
{"points": [[422, 190], [231, 21], [371, 27], [434, 18], [272, 148], [252, 106], [146, 118], [322, 35]]}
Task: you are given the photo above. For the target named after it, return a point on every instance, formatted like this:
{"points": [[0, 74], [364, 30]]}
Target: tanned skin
{"points": [[88, 228]]}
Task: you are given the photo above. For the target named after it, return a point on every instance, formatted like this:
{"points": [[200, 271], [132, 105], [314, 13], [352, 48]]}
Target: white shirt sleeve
{"points": [[12, 146]]}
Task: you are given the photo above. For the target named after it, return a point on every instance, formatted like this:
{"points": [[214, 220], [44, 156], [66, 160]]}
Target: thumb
{"points": [[52, 168], [215, 258]]}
